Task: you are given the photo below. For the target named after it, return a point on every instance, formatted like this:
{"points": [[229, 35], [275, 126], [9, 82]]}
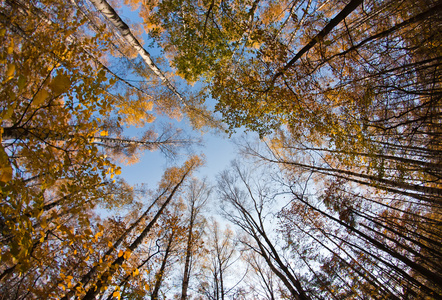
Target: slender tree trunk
{"points": [[431, 276], [95, 288], [425, 193], [11, 133], [426, 165], [320, 36], [160, 274], [188, 258], [221, 279]]}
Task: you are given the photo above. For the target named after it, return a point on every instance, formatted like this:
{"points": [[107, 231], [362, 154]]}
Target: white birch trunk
{"points": [[110, 14]]}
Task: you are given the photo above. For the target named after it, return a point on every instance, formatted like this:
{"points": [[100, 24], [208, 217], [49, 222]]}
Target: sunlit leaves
{"points": [[54, 99]]}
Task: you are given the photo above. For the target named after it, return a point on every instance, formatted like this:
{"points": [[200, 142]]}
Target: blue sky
{"points": [[218, 152], [218, 149]]}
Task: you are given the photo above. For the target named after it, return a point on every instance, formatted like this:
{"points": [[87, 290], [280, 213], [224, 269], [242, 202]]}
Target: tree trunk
{"points": [[425, 193], [160, 275], [110, 14], [188, 258], [431, 276], [320, 36]]}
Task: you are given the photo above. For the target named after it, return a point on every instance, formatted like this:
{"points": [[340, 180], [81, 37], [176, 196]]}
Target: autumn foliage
{"points": [[343, 200]]}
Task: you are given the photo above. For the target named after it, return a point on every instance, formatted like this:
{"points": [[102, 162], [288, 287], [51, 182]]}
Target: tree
{"points": [[221, 254], [173, 243], [247, 207], [63, 110], [197, 196], [48, 89], [174, 175], [198, 114]]}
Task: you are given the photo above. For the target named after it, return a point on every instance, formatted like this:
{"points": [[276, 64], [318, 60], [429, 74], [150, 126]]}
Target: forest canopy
{"points": [[336, 192]]}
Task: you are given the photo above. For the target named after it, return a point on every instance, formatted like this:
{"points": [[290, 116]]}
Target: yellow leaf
{"points": [[43, 223], [60, 84], [118, 172], [103, 133], [10, 71], [109, 244], [11, 47], [42, 239], [120, 253], [117, 295], [40, 97], [135, 272], [127, 254]]}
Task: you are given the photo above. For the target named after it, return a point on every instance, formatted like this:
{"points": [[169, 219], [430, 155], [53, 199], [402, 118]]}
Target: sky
{"points": [[217, 148], [218, 151]]}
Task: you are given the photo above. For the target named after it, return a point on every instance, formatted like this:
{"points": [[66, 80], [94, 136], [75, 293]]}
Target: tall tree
{"points": [[221, 252], [46, 89], [198, 114], [247, 206], [197, 196], [63, 111], [176, 175]]}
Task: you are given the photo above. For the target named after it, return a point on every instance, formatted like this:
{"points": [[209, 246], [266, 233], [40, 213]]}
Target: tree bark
{"points": [[104, 7]]}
